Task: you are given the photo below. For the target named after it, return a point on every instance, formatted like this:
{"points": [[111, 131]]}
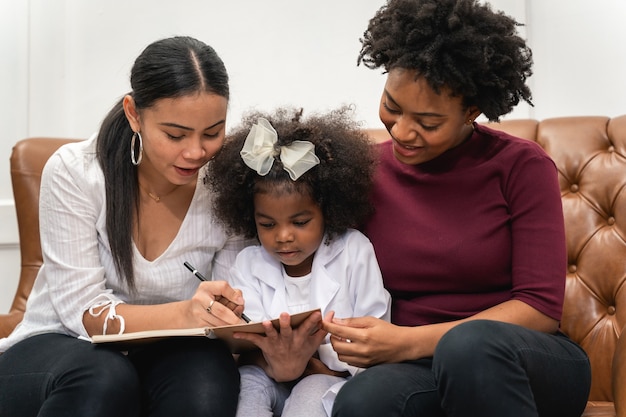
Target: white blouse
{"points": [[78, 270]]}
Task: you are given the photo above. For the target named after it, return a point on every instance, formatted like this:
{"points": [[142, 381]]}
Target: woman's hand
{"points": [[215, 303], [367, 341], [286, 352], [226, 305]]}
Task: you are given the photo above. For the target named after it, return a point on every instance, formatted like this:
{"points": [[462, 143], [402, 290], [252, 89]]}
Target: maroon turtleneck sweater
{"points": [[479, 225]]}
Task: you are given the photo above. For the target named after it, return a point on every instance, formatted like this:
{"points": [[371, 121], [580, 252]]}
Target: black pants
{"points": [[53, 375], [480, 368]]}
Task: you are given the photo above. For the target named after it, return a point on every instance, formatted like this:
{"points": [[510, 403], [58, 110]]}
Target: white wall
{"points": [[13, 120], [580, 57], [65, 62]]}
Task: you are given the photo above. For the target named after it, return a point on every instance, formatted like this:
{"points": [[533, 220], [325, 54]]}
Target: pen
{"points": [[202, 278]]}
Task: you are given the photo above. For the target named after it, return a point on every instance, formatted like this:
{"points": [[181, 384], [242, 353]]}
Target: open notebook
{"points": [[125, 340]]}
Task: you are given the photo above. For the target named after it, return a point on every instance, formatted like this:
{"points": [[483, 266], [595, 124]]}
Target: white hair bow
{"points": [[259, 151]]}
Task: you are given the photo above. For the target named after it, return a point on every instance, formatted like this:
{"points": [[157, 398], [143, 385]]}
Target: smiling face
{"points": [[290, 226], [180, 135], [422, 123]]}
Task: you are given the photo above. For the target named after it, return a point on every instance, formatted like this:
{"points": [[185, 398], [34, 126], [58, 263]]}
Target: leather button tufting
{"points": [[572, 268], [611, 221], [611, 148], [573, 188], [611, 310]]}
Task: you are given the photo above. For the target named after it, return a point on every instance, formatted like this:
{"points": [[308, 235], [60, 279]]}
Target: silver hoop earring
{"points": [[134, 159]]}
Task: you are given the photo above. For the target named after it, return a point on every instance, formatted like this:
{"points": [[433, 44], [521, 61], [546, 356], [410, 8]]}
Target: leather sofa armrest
{"points": [[28, 158]]}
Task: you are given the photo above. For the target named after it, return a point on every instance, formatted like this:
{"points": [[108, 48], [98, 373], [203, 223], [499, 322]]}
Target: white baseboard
{"points": [[9, 236]]}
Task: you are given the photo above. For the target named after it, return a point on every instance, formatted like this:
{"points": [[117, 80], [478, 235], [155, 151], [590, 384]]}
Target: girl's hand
{"points": [[367, 341], [286, 352], [215, 303]]}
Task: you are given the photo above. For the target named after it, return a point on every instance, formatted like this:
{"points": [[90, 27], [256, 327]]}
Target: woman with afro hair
{"points": [[299, 185], [468, 231]]}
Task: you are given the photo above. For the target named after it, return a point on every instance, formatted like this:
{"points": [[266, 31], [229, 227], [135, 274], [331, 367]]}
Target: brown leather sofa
{"points": [[590, 153], [27, 161]]}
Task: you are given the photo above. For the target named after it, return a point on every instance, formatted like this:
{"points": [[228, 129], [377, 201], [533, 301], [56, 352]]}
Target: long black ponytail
{"points": [[168, 68]]}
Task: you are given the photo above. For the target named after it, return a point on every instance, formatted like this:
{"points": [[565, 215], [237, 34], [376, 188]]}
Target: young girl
{"points": [[299, 186]]}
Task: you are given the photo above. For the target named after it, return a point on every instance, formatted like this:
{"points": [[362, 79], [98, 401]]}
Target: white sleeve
{"points": [[68, 213], [225, 257], [370, 298]]}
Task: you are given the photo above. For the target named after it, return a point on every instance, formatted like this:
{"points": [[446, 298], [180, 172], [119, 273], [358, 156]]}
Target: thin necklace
{"points": [[155, 197]]}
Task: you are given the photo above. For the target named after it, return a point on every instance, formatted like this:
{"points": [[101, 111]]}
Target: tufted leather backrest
{"points": [[590, 155]]}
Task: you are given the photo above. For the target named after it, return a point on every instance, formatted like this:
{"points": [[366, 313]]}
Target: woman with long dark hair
{"points": [[120, 214]]}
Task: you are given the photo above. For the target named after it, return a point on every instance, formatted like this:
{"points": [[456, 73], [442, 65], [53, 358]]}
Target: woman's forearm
{"points": [[513, 311]]}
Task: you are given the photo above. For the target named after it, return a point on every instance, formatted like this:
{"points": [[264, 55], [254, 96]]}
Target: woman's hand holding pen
{"points": [[234, 306], [178, 314], [216, 303]]}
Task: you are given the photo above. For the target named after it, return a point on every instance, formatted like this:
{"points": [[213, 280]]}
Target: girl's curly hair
{"points": [[340, 183], [461, 45]]}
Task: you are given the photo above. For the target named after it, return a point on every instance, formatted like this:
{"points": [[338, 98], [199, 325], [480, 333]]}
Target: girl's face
{"points": [[180, 135], [290, 226], [422, 123]]}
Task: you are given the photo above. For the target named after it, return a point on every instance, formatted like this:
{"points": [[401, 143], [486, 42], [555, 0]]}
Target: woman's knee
{"points": [[106, 376], [467, 342], [352, 398], [364, 395], [95, 376], [467, 351], [63, 373], [188, 377]]}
